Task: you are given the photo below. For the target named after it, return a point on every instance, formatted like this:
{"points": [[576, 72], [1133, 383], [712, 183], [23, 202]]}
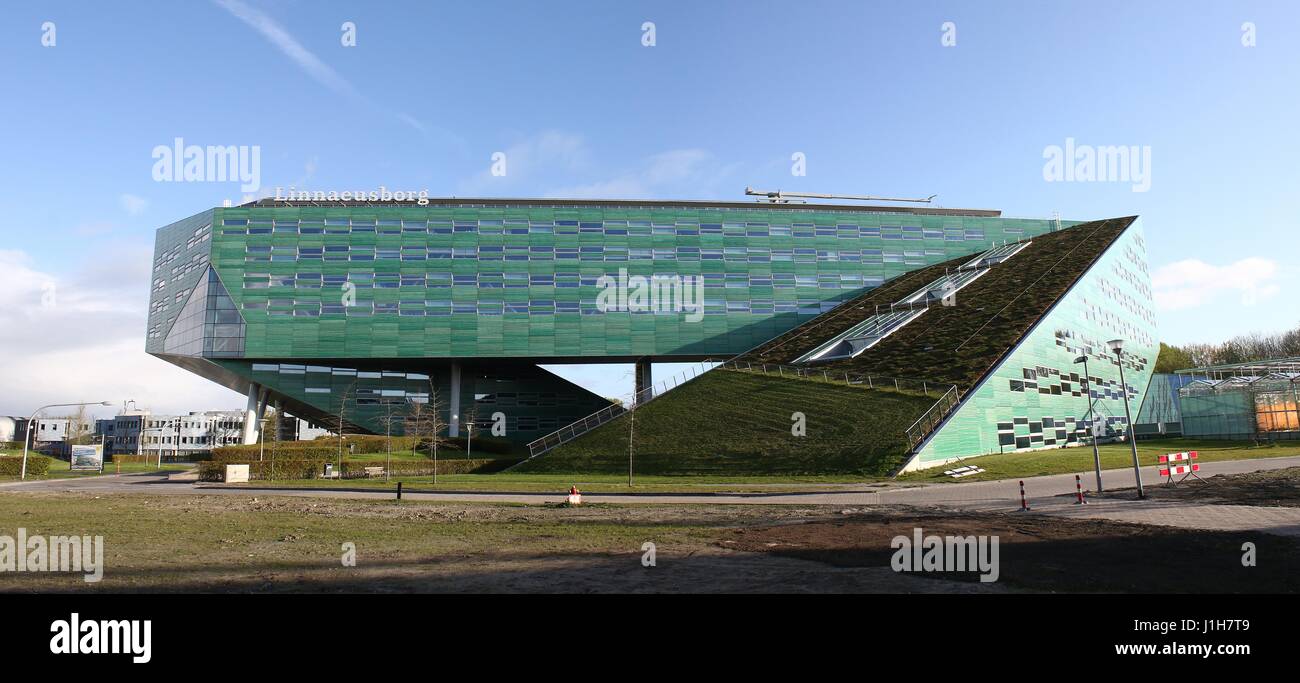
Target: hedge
{"points": [[125, 458], [37, 465], [283, 469], [352, 469]]}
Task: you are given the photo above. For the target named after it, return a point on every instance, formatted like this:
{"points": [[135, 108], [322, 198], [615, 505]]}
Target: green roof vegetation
{"points": [[957, 344], [737, 423]]}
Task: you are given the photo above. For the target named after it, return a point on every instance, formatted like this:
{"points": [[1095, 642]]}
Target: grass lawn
{"points": [[1113, 456], [587, 483], [59, 469], [728, 423], [1010, 465]]}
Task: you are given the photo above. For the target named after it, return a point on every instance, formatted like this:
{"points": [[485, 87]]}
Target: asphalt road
{"points": [[1042, 492]]}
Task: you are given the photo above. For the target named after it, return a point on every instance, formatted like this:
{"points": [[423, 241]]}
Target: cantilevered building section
{"points": [[315, 305]]}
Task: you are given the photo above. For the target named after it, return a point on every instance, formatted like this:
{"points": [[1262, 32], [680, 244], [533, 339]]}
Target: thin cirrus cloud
{"points": [[286, 43], [1192, 282], [307, 60]]}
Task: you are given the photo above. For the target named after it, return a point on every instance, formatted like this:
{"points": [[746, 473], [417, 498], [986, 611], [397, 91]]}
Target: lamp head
{"points": [[1080, 359], [1115, 345]]}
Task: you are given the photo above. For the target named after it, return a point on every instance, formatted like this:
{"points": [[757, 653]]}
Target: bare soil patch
{"points": [[1039, 552]]}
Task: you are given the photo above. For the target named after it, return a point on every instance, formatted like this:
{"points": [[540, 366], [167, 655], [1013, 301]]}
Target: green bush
{"points": [[352, 469], [409, 468], [37, 465], [238, 455], [125, 458], [282, 469]]}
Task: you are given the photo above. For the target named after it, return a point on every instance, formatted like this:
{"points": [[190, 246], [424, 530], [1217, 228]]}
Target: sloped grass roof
{"points": [[739, 423], [958, 344]]}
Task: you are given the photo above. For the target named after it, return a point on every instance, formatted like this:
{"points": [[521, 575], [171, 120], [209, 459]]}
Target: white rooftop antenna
{"points": [[780, 197]]}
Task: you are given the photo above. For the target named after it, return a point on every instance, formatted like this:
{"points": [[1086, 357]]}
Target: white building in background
{"points": [[141, 432], [12, 428], [297, 429], [48, 430]]}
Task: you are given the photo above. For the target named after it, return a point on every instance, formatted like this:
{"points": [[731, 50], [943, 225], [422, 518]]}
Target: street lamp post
{"points": [[29, 437], [1092, 427], [1117, 346]]}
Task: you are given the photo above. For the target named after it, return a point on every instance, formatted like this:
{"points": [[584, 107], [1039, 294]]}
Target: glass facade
{"points": [[499, 286], [1038, 397]]}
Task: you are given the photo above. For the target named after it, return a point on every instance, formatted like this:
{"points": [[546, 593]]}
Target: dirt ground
{"points": [[281, 544], [1274, 488], [1045, 553]]}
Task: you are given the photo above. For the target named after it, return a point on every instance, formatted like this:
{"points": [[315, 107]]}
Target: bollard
{"points": [[1078, 490], [399, 490], [1024, 503]]}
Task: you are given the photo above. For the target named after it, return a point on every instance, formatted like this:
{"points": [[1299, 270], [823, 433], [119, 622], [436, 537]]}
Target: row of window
{"points": [[426, 307], [296, 369], [343, 252], [562, 280], [343, 226]]}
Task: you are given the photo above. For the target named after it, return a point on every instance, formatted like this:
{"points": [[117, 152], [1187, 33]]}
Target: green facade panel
{"points": [[1037, 397], [488, 282]]}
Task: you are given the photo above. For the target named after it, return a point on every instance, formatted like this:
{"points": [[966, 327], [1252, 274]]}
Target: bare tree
{"points": [[395, 413], [426, 425], [341, 424], [79, 426]]}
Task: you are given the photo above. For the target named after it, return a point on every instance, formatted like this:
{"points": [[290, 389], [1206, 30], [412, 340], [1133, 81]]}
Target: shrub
{"points": [[37, 465], [125, 458], [407, 468], [260, 470], [352, 469]]}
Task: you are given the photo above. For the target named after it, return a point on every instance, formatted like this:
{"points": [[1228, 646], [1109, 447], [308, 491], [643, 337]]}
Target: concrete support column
{"points": [[453, 425], [644, 380], [250, 415]]}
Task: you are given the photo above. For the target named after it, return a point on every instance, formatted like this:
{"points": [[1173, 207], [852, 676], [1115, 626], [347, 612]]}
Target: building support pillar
{"points": [[644, 380], [453, 409], [250, 415]]}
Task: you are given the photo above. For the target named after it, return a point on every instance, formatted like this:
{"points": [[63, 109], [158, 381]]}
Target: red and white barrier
{"points": [[575, 496], [1173, 464], [1078, 491], [1024, 502]]}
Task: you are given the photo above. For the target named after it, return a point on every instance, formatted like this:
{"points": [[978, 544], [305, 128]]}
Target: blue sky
{"points": [[729, 91]]}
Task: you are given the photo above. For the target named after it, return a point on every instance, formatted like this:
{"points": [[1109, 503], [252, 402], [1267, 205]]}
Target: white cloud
{"points": [[1191, 282], [133, 204], [560, 164], [78, 335], [545, 155]]}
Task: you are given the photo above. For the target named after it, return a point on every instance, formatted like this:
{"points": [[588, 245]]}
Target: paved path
{"points": [[1045, 495]]}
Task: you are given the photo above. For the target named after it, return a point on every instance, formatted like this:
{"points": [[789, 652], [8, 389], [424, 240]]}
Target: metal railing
{"points": [[932, 417], [844, 377], [573, 430]]}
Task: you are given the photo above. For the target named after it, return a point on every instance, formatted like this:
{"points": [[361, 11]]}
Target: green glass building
{"points": [[314, 305]]}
